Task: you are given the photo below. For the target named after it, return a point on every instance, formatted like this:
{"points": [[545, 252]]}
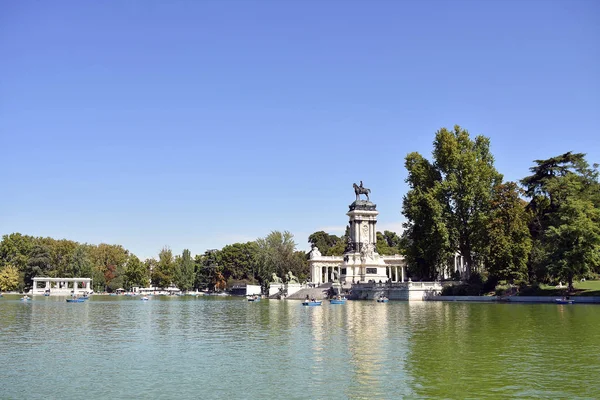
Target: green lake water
{"points": [[229, 348]]}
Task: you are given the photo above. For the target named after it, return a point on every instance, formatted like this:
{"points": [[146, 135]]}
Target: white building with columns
{"points": [[61, 286]]}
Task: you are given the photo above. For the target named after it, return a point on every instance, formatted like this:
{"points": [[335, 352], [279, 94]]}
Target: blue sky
{"points": [[196, 124]]}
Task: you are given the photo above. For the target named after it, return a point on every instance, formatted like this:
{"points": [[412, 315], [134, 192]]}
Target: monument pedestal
{"points": [[362, 263]]}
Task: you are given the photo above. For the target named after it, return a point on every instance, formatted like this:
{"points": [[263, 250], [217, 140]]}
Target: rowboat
{"points": [[383, 300], [338, 301], [254, 298], [75, 300], [563, 301], [311, 303], [144, 298]]}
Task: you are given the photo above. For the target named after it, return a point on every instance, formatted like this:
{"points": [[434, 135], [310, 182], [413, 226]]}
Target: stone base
{"points": [[396, 291]]}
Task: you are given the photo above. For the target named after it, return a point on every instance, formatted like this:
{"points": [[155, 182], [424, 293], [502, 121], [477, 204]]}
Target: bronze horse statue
{"points": [[358, 190]]}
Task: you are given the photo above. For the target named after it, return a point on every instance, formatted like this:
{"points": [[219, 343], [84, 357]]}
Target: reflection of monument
{"points": [[360, 262]]}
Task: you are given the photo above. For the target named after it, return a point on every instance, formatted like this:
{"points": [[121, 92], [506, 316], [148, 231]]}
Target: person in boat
{"points": [[307, 298], [313, 300]]}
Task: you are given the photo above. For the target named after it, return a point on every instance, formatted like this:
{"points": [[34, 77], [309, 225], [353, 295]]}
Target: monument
{"points": [[360, 262]]}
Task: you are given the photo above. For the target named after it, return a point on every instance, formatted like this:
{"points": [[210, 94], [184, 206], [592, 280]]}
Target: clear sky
{"points": [[196, 124]]}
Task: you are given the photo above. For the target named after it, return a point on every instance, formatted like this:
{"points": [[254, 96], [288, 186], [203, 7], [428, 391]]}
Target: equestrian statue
{"points": [[358, 190]]}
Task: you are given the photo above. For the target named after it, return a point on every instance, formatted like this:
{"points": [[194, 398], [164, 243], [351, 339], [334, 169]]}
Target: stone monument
{"points": [[361, 260]]}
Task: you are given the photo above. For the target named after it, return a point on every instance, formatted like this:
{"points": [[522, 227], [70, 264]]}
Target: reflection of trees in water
{"points": [[474, 348]]}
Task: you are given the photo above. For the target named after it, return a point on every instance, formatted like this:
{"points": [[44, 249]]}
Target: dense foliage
{"points": [[458, 204], [113, 267]]}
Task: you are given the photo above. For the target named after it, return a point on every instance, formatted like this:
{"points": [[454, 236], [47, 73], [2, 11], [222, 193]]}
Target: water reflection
{"points": [[231, 348], [502, 350]]}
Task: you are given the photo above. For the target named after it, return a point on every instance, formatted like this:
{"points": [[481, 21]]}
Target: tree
{"points": [[80, 265], [37, 265], [573, 234], [209, 274], [276, 254], [9, 278], [324, 242], [15, 249], [61, 252], [136, 273], [109, 264], [239, 260], [507, 234], [448, 200], [388, 243], [468, 178], [553, 182], [164, 273], [184, 272], [426, 237]]}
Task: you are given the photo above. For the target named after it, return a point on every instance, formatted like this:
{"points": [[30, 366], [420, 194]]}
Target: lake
{"points": [[226, 348]]}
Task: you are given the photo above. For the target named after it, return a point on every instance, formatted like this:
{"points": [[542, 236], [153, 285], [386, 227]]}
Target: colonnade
{"points": [[61, 285], [323, 274]]}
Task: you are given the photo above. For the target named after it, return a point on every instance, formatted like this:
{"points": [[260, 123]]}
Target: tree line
{"points": [[544, 228], [111, 267]]}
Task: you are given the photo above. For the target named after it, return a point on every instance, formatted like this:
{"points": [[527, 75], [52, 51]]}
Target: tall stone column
{"points": [[403, 273]]}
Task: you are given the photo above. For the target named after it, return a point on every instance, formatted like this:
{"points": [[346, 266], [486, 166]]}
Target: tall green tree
{"points": [[164, 272], [277, 255], [80, 265], [38, 264], [426, 238], [239, 261], [507, 234], [554, 181], [573, 234], [468, 178], [449, 198], [136, 273], [184, 272]]}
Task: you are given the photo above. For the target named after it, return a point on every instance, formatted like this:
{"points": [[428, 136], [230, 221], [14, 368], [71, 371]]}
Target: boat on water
{"points": [[254, 298], [25, 298], [144, 298], [338, 300], [563, 301], [311, 303], [383, 300], [76, 300]]}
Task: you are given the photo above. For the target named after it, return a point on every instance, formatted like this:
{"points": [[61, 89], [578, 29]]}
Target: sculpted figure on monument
{"points": [[367, 251], [314, 252], [275, 278], [358, 190], [291, 278]]}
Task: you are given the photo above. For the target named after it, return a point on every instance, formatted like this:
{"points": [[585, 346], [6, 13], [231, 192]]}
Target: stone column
{"points": [[34, 287], [403, 273]]}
